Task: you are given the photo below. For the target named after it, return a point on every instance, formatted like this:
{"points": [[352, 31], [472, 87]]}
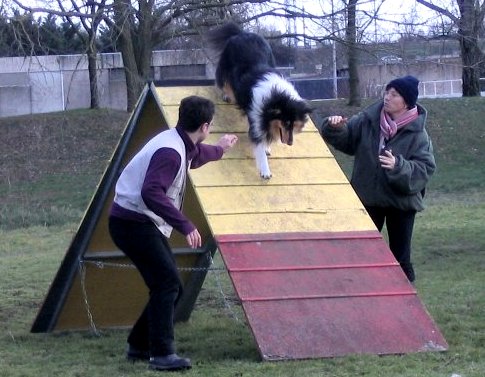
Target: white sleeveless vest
{"points": [[129, 185]]}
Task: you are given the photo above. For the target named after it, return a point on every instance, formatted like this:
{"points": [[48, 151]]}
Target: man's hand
{"points": [[336, 121], [194, 239], [227, 142]]}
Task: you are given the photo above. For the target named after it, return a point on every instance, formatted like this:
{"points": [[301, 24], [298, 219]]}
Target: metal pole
{"points": [[334, 56]]}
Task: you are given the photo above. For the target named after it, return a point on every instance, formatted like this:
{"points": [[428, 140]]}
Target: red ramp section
{"points": [[313, 295]]}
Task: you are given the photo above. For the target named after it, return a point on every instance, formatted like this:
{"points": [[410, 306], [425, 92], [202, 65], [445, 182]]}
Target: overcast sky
{"points": [[398, 10], [394, 10]]}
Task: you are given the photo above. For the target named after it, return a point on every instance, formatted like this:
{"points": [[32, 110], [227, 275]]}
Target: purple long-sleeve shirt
{"points": [[162, 170]]}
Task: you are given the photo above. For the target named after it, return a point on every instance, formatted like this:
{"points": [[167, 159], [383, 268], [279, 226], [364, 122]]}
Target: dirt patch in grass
{"points": [[51, 163], [33, 146]]}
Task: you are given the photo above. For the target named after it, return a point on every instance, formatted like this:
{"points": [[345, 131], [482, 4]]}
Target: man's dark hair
{"points": [[195, 111]]}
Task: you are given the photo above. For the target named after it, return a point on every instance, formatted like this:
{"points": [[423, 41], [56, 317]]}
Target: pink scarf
{"points": [[389, 127]]}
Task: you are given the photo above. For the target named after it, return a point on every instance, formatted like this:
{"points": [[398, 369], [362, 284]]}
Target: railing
{"points": [[427, 89], [440, 88]]}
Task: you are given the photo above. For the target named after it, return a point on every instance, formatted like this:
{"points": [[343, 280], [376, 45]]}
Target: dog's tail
{"points": [[218, 37]]}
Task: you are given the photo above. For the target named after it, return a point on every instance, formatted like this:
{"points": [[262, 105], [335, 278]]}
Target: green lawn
{"points": [[45, 189]]}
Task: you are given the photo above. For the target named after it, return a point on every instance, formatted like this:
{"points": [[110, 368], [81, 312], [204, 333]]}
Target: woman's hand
{"points": [[336, 121], [387, 160]]}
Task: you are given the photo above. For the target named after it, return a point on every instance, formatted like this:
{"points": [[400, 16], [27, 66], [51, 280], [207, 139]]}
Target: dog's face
{"points": [[284, 130], [287, 119]]}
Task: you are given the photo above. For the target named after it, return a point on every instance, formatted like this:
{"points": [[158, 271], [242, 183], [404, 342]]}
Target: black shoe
{"points": [[134, 354], [169, 362]]}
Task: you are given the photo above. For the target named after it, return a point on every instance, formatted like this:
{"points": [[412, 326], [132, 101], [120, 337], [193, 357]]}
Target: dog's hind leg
{"points": [[262, 160]]}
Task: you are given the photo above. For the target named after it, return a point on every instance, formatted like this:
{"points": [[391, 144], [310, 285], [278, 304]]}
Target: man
{"points": [[147, 206]]}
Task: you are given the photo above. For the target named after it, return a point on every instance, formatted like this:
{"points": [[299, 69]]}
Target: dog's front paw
{"points": [[265, 174], [262, 161]]}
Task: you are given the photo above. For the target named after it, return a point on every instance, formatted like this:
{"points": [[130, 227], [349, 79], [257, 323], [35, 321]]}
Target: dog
{"points": [[247, 76]]}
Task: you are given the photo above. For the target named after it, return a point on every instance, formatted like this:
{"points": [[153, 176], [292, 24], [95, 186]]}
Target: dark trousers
{"points": [[151, 254], [399, 225]]}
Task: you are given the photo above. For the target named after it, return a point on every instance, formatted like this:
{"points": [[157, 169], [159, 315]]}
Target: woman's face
{"points": [[394, 104]]}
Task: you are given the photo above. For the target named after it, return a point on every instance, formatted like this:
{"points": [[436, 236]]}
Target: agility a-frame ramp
{"points": [[96, 286], [314, 276]]}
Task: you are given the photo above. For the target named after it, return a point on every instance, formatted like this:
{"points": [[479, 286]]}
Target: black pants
{"points": [[399, 226], [151, 254]]}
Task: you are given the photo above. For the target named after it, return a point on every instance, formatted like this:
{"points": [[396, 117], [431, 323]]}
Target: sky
{"points": [[395, 10], [398, 10]]}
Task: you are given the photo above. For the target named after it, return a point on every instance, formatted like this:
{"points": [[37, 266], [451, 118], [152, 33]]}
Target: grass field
{"points": [[49, 167]]}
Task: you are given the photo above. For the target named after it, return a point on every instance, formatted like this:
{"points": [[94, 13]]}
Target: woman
{"points": [[393, 161]]}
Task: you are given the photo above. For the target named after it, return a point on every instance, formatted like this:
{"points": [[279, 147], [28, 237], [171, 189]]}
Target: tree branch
{"points": [[439, 9]]}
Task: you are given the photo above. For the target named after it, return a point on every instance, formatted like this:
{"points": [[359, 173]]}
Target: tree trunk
{"points": [[471, 54], [93, 77], [143, 45], [351, 39], [123, 21], [469, 25]]}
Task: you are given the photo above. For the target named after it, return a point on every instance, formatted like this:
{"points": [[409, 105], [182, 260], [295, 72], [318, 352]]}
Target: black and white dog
{"points": [[247, 76]]}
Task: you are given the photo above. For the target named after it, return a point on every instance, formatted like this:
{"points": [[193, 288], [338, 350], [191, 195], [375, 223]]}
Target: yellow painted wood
{"points": [[308, 191], [329, 221], [287, 172], [172, 95], [278, 199], [227, 119], [109, 303], [306, 145]]}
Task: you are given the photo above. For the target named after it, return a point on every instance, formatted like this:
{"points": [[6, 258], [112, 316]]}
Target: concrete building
{"points": [[40, 84]]}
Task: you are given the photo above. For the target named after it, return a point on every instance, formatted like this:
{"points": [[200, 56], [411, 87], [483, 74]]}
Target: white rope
{"points": [[82, 270], [102, 264]]}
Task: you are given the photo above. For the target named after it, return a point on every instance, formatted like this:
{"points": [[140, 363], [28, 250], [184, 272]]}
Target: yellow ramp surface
{"points": [[307, 193]]}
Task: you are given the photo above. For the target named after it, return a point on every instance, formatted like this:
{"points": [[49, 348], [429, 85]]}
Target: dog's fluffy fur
{"points": [[246, 74]]}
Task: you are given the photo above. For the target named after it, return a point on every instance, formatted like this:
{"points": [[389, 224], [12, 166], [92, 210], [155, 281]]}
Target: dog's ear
{"points": [[304, 111], [307, 108]]}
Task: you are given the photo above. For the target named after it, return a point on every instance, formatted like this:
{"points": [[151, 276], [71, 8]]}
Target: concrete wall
{"points": [[42, 84], [438, 78], [56, 83]]}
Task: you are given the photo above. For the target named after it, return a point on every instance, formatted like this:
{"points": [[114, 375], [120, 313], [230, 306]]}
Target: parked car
{"points": [[391, 59]]}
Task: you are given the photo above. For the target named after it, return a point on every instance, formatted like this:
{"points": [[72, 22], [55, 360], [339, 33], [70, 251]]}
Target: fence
{"points": [[427, 89]]}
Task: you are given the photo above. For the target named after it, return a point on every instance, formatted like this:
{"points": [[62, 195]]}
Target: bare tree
{"points": [[351, 40], [344, 25], [90, 14], [139, 25], [470, 24], [90, 25], [140, 28]]}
